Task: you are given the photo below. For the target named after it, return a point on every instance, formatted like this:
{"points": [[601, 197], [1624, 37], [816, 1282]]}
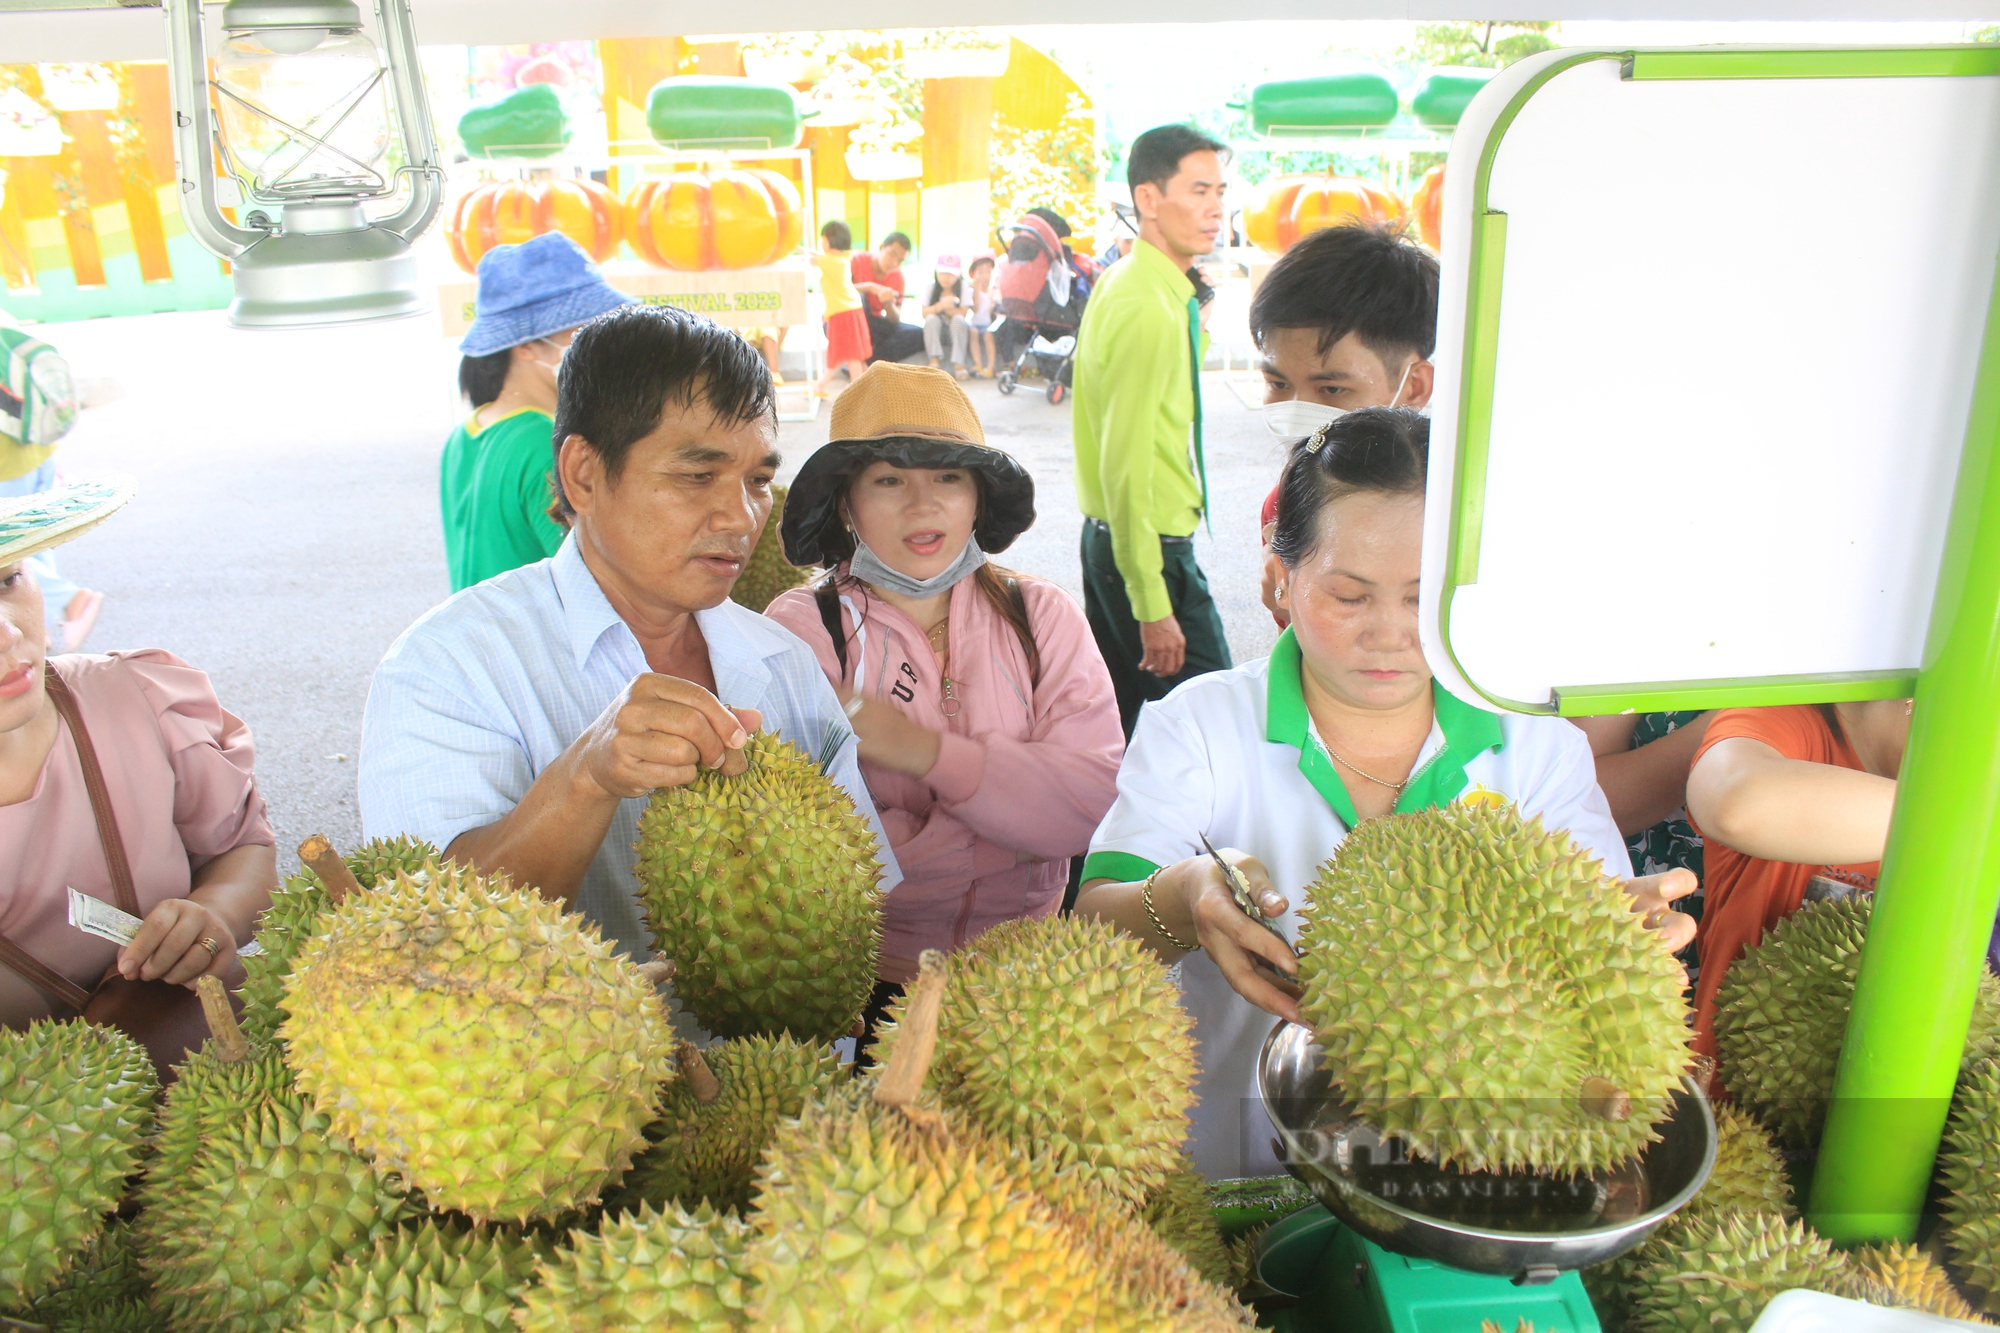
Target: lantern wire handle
{"points": [[296, 134]]}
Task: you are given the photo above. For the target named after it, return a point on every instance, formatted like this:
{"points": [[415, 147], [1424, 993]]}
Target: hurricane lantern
{"points": [[297, 117]]}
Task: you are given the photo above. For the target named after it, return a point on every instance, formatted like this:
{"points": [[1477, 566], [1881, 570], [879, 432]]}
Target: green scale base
{"points": [[1345, 1283]]}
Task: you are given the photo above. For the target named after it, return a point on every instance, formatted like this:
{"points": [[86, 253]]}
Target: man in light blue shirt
{"points": [[522, 724]]}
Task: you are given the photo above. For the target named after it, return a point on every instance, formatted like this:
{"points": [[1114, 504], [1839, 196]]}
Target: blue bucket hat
{"points": [[531, 290]]}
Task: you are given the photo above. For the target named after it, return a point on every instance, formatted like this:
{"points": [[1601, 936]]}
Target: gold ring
{"points": [[208, 942]]}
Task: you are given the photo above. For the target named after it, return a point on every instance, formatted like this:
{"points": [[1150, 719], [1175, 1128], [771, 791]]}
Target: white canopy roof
{"points": [[139, 34]]}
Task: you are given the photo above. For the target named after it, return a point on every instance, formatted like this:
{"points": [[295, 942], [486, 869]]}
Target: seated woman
{"points": [[989, 732], [1274, 761], [1781, 796], [176, 808]]}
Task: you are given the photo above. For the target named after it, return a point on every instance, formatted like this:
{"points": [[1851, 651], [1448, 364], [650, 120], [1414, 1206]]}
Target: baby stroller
{"points": [[1042, 295]]}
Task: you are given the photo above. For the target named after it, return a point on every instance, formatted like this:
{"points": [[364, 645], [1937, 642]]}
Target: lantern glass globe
{"points": [[305, 111]]}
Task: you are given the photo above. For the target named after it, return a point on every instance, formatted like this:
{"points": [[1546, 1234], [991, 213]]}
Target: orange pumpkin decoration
{"points": [[1288, 207], [1428, 205], [723, 218], [509, 212]]}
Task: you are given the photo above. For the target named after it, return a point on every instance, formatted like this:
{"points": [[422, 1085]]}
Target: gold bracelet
{"points": [[1153, 915]]}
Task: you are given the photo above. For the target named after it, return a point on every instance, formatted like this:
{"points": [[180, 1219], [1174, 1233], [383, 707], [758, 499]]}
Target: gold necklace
{"points": [[1396, 787], [940, 639]]}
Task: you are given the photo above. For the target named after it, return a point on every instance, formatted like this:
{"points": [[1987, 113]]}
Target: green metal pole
{"points": [[1940, 878]]}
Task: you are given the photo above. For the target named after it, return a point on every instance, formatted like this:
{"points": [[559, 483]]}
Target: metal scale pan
{"points": [[1521, 1225]]}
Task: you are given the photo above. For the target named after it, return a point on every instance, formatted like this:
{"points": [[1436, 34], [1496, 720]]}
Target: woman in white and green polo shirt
{"points": [[1276, 760]]}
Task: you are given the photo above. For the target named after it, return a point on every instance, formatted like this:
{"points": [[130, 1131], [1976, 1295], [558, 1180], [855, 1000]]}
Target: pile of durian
{"points": [[1781, 1018], [450, 1105]]}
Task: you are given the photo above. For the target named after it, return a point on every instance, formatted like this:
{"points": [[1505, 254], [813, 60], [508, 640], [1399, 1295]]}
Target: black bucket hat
{"points": [[910, 416]]}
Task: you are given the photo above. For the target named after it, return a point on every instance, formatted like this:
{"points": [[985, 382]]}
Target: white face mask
{"points": [[1296, 418]]}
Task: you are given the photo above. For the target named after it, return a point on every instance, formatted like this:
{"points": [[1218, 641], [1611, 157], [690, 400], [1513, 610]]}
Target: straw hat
{"points": [[32, 523], [911, 416]]}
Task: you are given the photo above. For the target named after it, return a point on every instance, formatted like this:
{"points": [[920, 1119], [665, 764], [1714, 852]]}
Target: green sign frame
{"points": [[1940, 883]]}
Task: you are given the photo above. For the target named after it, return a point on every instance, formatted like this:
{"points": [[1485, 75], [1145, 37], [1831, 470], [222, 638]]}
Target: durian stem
{"points": [[333, 873], [658, 972], [916, 1035], [231, 1048], [701, 1079], [1601, 1097]]}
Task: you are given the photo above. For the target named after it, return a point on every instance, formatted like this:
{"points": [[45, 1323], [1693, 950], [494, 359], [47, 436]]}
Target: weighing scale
{"points": [[1714, 426], [1398, 1245]]}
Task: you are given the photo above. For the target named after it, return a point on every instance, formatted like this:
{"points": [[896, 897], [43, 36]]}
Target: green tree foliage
{"points": [[1490, 45]]}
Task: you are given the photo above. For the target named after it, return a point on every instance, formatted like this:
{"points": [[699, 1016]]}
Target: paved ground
{"points": [[286, 528]]}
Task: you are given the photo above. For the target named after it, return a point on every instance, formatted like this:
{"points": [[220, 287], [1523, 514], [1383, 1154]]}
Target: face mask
{"points": [[869, 568], [1296, 418]]}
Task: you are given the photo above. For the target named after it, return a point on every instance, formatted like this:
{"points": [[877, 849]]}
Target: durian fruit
{"points": [[1243, 1271], [294, 913], [664, 1272], [1781, 1016], [767, 573], [1903, 1277], [1970, 1167], [1482, 989], [1065, 1036], [762, 888], [1718, 1275], [1748, 1177], [878, 1212], [479, 1041], [76, 1102], [103, 1291], [274, 1202], [1178, 1212], [1749, 1174], [716, 1118], [215, 1088], [430, 1277]]}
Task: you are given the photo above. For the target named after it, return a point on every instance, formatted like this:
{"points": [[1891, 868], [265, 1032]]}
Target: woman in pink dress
{"points": [[123, 777], [989, 732]]}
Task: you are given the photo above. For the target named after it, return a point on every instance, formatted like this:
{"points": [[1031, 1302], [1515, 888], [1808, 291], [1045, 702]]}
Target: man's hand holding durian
{"points": [[661, 731]]}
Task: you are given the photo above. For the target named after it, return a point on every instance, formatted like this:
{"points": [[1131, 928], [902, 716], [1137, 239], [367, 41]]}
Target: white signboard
{"points": [[1708, 337]]}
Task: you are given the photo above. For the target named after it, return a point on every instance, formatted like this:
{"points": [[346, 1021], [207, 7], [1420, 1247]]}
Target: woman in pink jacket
{"points": [[989, 732]]}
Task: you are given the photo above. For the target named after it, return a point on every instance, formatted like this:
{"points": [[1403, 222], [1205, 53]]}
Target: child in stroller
{"points": [[1043, 288]]}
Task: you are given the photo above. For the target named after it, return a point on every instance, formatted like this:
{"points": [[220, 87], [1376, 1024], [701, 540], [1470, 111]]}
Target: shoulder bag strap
{"points": [[100, 795], [46, 979], [828, 598]]}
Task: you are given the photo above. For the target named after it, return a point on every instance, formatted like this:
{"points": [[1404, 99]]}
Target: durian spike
{"points": [[702, 1081], [318, 853], [230, 1046], [916, 1037], [658, 972], [1600, 1097]]}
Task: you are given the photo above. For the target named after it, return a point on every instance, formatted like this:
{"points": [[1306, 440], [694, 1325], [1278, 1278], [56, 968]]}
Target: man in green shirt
{"points": [[493, 481], [1141, 480]]}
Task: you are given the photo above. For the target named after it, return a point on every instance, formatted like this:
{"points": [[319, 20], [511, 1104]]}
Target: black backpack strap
{"points": [[828, 598]]}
